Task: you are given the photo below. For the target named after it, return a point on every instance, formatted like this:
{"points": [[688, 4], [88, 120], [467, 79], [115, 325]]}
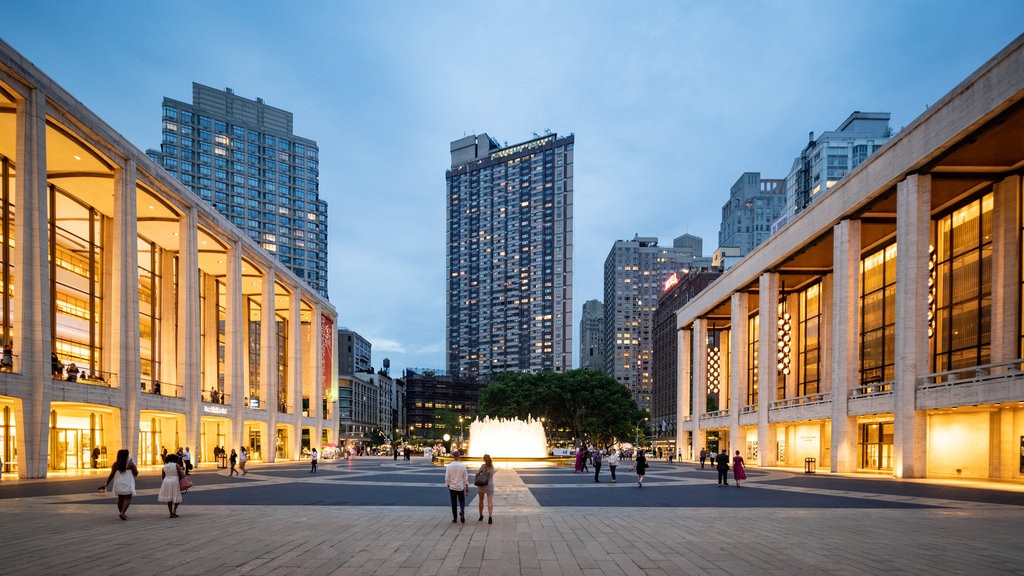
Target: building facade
{"points": [[241, 157], [354, 353], [634, 275], [754, 205], [827, 159], [592, 336], [509, 257], [678, 289], [880, 329], [138, 316], [437, 405]]}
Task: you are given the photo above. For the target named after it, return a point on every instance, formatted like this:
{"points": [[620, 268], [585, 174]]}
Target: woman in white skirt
{"points": [[122, 474], [170, 488]]}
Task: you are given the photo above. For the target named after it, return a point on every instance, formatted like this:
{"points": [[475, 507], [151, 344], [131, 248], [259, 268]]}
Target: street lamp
{"points": [[636, 430]]}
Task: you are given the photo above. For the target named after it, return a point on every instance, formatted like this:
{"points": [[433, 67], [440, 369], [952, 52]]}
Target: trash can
{"points": [[222, 461], [810, 464]]}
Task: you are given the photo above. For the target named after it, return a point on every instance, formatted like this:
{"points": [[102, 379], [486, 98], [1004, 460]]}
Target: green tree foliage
{"points": [[590, 404]]}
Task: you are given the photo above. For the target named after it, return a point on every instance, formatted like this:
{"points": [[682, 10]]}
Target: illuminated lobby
{"points": [[879, 331], [137, 316]]}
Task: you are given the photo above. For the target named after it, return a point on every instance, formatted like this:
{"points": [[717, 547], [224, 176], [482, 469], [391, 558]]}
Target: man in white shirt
{"points": [[456, 478], [186, 461]]}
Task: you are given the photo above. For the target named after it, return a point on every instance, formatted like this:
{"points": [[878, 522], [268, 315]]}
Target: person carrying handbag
{"points": [[170, 488]]}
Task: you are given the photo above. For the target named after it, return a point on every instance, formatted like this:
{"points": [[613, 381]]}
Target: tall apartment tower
{"points": [[826, 159], [754, 204], [509, 261], [241, 157], [354, 352], [592, 336], [635, 272]]}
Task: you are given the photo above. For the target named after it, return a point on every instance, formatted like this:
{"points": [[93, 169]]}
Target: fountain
{"points": [[507, 439]]}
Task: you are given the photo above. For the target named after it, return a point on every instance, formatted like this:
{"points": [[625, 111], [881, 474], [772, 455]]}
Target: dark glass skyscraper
{"points": [[509, 256], [241, 157]]}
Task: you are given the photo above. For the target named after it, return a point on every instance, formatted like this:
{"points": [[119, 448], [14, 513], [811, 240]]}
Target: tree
{"points": [[590, 404]]}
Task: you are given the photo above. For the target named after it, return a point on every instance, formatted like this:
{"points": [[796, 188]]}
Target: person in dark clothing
{"points": [[703, 456], [722, 459]]}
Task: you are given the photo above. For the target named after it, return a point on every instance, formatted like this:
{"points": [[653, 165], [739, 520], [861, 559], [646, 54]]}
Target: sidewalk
{"points": [[78, 533]]}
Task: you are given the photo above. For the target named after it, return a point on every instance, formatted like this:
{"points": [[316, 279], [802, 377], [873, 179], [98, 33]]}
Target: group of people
{"points": [[598, 457], [721, 463], [456, 479]]}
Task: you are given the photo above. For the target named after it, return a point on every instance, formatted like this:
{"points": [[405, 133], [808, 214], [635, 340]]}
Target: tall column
{"points": [[295, 374], [684, 392], [699, 385], [123, 281], [268, 365], [236, 347], [32, 303], [913, 232], [189, 322], [739, 309], [845, 329], [1005, 274], [767, 373]]}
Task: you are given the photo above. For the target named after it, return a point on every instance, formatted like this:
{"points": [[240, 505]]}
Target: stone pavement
{"points": [[283, 520]]}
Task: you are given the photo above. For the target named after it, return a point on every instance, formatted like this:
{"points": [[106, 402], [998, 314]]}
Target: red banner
{"points": [[327, 353]]}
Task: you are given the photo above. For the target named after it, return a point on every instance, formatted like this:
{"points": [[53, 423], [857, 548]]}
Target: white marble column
{"points": [[236, 324], [684, 392], [913, 233], [767, 373], [845, 342], [1005, 270], [32, 304], [124, 293], [189, 319], [268, 365], [699, 390], [294, 358], [739, 309]]}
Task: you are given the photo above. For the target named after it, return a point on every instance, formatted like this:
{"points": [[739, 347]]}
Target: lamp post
{"points": [[636, 430]]}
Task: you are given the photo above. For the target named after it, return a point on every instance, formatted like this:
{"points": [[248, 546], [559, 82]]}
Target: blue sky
{"points": [[669, 101]]}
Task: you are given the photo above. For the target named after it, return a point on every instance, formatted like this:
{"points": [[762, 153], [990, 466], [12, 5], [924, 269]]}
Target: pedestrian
{"points": [[56, 366], [579, 461], [72, 372], [456, 478], [313, 458], [170, 487], [640, 465], [586, 456], [394, 453], [738, 472], [613, 462], [7, 362], [486, 490], [122, 474], [722, 458], [233, 459], [95, 456], [703, 457], [408, 452], [597, 464], [186, 461], [243, 457]]}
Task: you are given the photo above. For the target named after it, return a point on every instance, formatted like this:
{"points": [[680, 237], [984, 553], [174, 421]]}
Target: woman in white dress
{"points": [[123, 474], [170, 488]]}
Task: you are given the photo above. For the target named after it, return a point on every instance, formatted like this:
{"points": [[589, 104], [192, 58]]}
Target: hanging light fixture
{"points": [[785, 337], [933, 277], [714, 362]]}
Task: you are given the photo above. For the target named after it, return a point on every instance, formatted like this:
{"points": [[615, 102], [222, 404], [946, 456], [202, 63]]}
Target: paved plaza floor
{"points": [[378, 516]]}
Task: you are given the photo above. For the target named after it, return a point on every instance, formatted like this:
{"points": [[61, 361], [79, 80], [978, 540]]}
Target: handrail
{"points": [[973, 374], [873, 389], [816, 398]]}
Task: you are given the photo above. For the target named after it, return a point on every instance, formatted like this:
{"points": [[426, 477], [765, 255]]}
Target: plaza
{"points": [[380, 516]]}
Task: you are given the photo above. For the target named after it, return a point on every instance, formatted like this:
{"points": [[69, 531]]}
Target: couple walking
{"points": [[456, 479], [722, 465]]}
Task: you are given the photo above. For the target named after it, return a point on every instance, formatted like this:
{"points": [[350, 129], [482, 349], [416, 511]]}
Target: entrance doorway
{"points": [[876, 445]]}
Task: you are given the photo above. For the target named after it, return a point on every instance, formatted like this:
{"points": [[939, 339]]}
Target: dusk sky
{"points": [[669, 102]]}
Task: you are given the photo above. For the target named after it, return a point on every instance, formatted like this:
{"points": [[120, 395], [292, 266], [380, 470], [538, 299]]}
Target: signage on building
{"points": [[671, 281]]}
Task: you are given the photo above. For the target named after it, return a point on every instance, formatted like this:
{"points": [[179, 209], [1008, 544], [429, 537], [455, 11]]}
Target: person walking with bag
{"points": [[456, 478], [122, 473], [484, 481], [170, 487], [640, 465], [233, 459]]}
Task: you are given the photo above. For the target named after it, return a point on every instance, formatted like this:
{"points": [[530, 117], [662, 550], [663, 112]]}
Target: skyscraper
{"points": [[635, 272], [241, 157], [592, 336], [509, 256], [754, 204]]}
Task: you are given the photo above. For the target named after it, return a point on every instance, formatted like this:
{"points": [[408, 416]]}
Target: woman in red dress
{"points": [[737, 468]]}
